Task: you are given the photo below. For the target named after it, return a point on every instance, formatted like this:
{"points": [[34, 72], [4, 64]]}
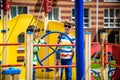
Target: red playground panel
{"points": [[116, 54]]}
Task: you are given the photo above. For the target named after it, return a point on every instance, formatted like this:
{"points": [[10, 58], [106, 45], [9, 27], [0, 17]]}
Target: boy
{"points": [[66, 53]]}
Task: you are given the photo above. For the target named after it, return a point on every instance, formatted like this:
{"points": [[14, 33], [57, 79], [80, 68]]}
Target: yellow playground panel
{"points": [[17, 34]]}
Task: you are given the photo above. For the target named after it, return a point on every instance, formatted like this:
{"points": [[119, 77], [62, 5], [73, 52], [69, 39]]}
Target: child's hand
{"points": [[73, 49], [35, 49], [41, 41]]}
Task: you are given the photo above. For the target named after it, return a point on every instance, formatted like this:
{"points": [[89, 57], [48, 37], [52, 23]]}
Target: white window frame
{"points": [[59, 14], [110, 18], [17, 10], [1, 15], [89, 18], [73, 16], [111, 1]]}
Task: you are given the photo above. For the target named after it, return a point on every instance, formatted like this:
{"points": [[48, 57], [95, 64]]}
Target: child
{"points": [[36, 32], [66, 53]]}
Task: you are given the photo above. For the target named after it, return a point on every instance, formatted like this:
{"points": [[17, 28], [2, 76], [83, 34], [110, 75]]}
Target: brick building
{"points": [[99, 15]]}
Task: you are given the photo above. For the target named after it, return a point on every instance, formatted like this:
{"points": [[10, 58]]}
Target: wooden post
{"points": [[106, 56], [57, 70], [46, 51], [16, 77], [7, 77], [5, 36], [29, 56], [104, 68], [45, 22], [88, 55]]}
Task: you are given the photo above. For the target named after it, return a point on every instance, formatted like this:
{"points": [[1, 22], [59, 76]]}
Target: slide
{"points": [[95, 47], [115, 50]]}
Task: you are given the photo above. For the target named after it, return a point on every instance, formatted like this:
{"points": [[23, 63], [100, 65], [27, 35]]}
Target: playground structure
{"points": [[20, 49], [22, 22], [14, 47]]}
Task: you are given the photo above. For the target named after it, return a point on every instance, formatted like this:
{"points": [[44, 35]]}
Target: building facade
{"points": [[99, 15]]}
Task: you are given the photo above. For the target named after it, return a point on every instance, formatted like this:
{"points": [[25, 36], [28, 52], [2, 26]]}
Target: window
{"points": [[21, 37], [73, 13], [54, 14], [16, 10], [86, 17], [111, 0], [1, 12], [111, 18]]}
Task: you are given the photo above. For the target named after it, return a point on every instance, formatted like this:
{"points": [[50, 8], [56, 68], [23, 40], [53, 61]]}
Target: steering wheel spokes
{"points": [[54, 50]]}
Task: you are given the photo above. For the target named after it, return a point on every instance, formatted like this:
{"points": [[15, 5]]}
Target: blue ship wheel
{"points": [[55, 50]]}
